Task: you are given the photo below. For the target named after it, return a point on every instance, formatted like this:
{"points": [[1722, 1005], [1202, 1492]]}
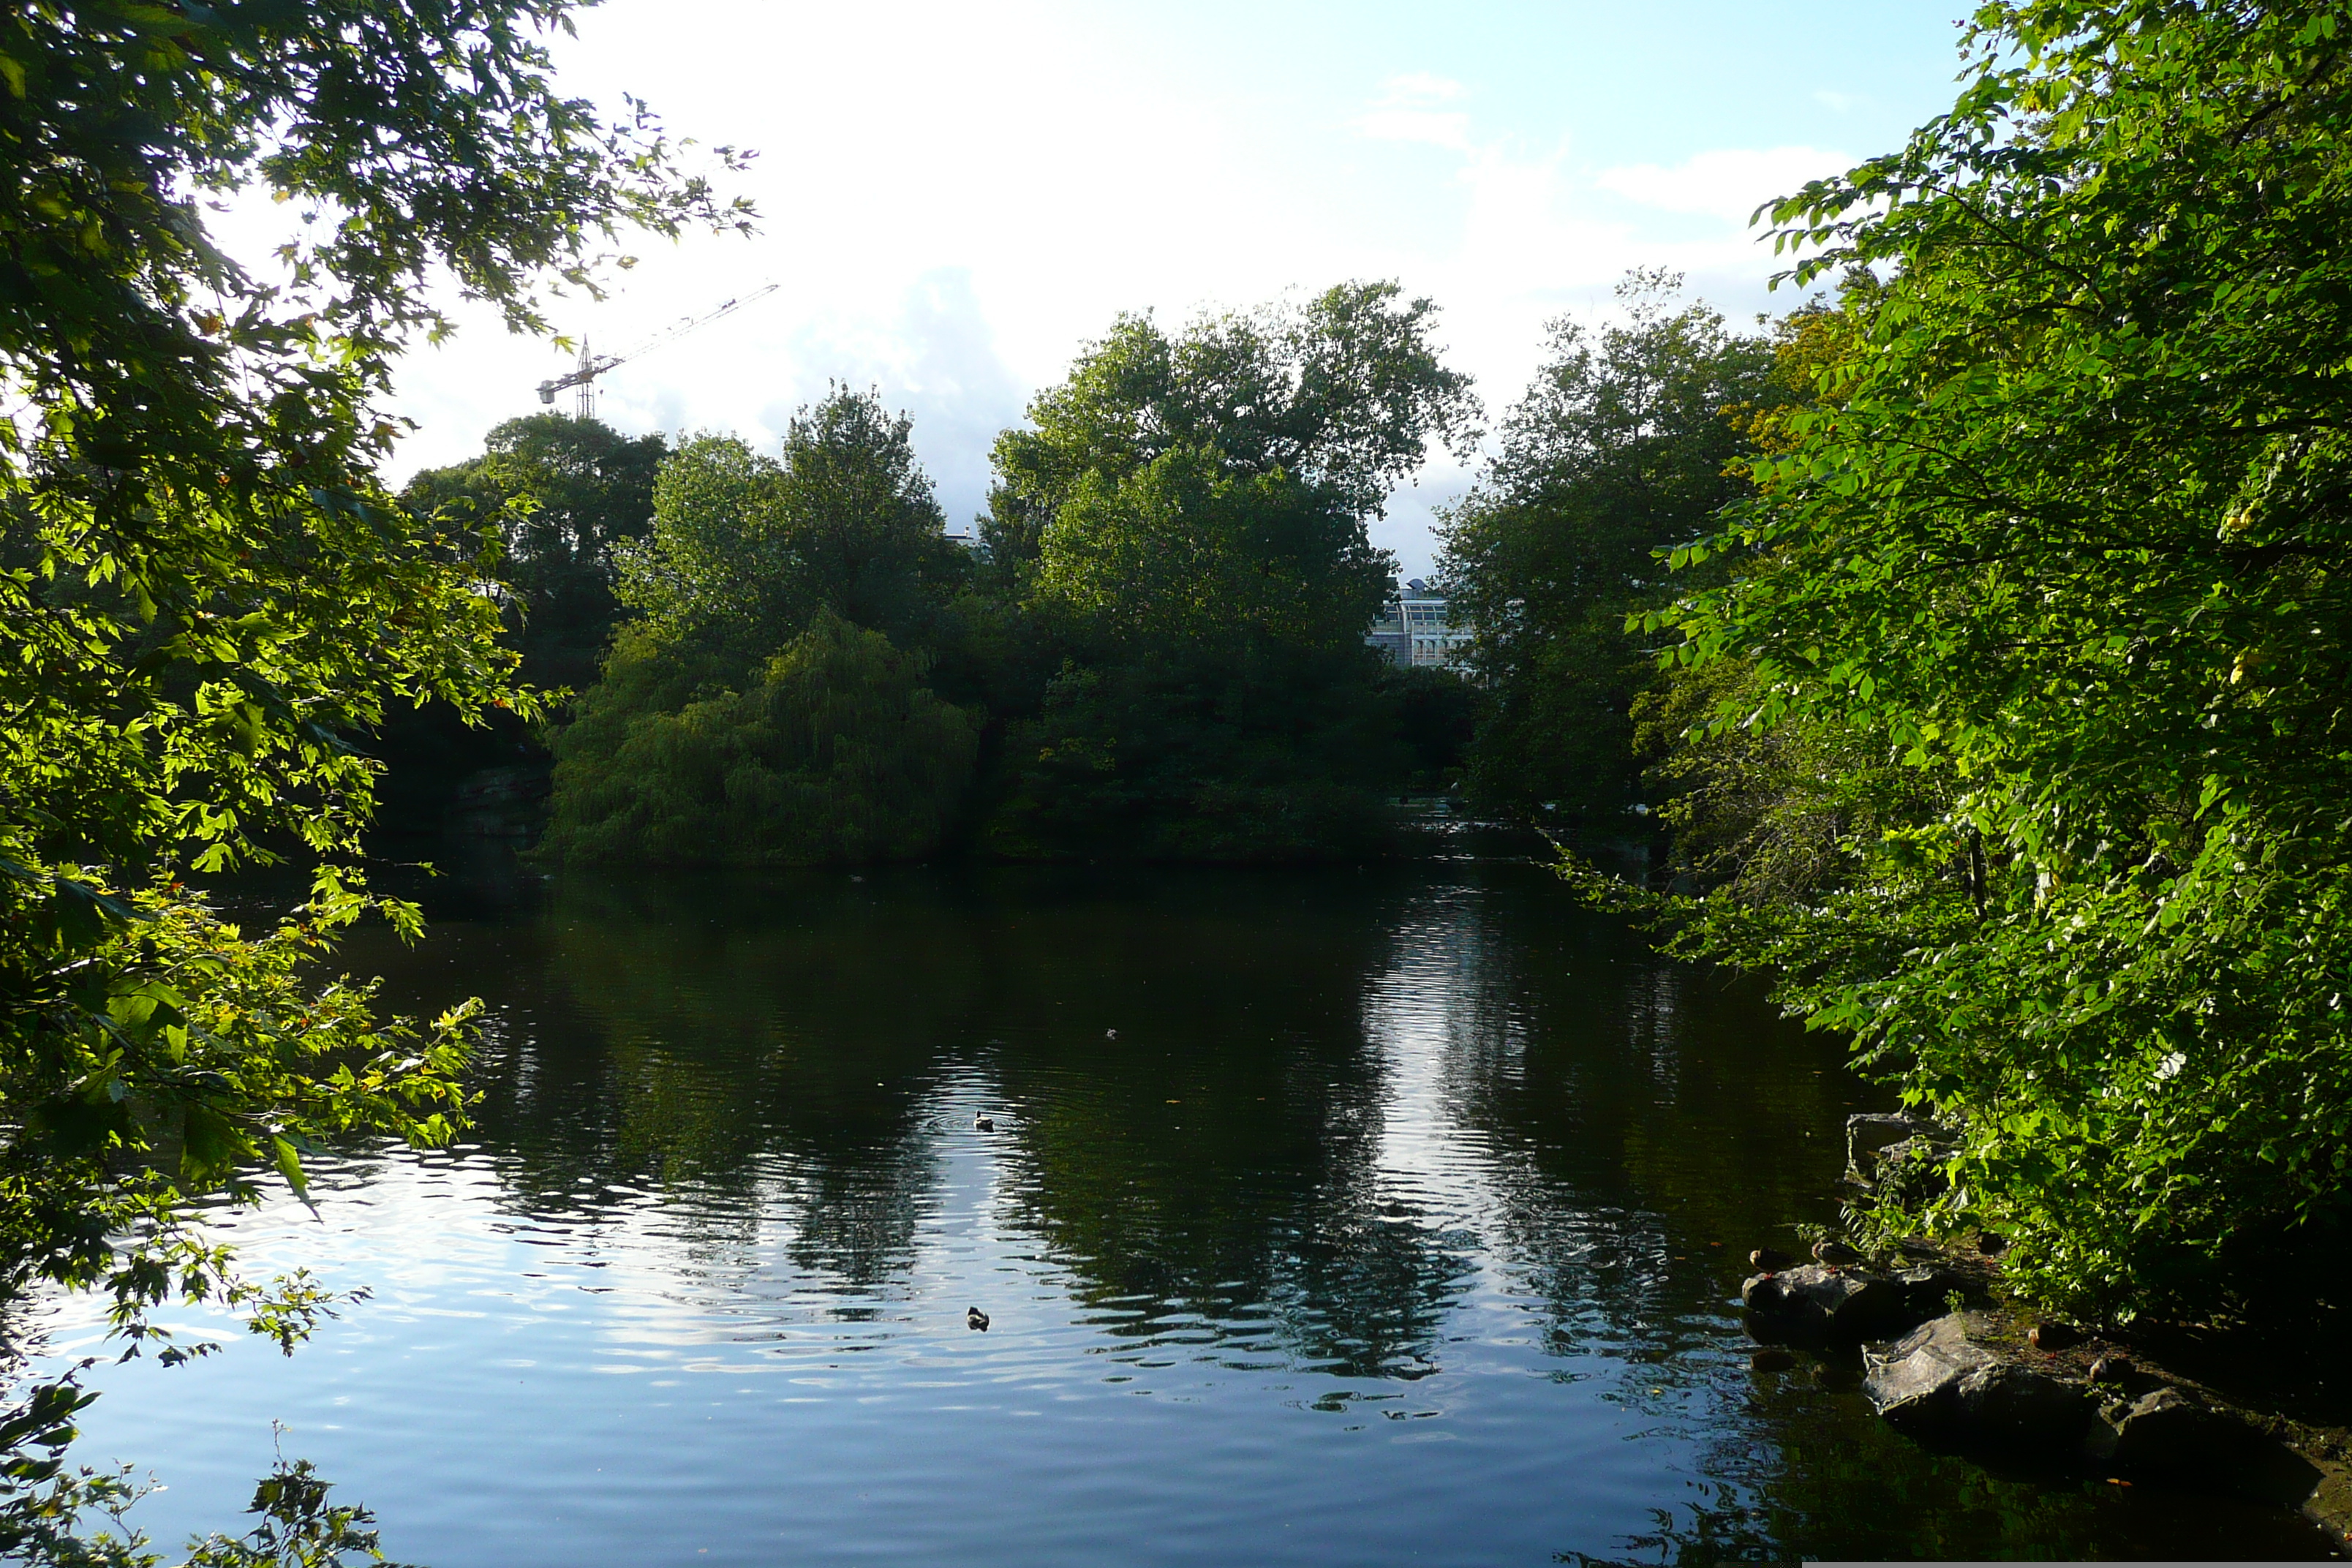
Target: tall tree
{"points": [[564, 495], [206, 589], [1342, 396], [770, 704], [1623, 447], [746, 548], [1187, 518], [2066, 530], [557, 496], [1187, 551]]}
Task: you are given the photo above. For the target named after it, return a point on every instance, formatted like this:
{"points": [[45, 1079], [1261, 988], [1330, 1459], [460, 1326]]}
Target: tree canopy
{"points": [[1342, 396], [206, 589], [1623, 447], [837, 752], [769, 705], [745, 549], [2063, 533], [1185, 550], [565, 496], [1186, 520], [1165, 634]]}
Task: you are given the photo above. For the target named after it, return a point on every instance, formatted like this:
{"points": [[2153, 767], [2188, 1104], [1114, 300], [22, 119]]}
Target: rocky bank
{"points": [[1948, 1363]]}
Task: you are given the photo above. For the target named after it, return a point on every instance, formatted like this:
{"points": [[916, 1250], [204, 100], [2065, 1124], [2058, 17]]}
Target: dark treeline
{"points": [[1157, 650]]}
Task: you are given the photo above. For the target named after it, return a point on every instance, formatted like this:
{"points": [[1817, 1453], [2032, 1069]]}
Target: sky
{"points": [[956, 197]]}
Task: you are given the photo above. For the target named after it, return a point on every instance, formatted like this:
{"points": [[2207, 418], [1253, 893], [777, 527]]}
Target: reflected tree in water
{"points": [[768, 1043], [1217, 1163]]}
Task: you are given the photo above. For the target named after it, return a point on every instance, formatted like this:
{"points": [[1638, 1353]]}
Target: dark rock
{"points": [[1798, 1302], [2328, 1503], [1928, 1290], [2017, 1404], [1768, 1258], [1914, 1167], [1845, 1306], [1954, 1383], [1939, 1382], [1771, 1358], [1866, 1134], [2169, 1433], [2052, 1335]]}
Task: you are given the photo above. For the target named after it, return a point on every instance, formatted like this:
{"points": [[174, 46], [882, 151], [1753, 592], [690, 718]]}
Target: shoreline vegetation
{"points": [[1966, 650]]}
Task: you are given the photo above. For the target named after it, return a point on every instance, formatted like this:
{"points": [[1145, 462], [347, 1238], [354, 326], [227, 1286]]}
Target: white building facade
{"points": [[1414, 631]]}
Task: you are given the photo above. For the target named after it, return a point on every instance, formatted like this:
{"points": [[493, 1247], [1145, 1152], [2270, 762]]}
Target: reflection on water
{"points": [[1354, 1216]]}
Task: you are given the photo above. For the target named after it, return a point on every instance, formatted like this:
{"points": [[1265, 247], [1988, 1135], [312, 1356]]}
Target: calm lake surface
{"points": [[1330, 1217]]}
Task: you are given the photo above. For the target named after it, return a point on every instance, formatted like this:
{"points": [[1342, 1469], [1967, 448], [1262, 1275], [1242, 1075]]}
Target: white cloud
{"points": [[1448, 130], [936, 358], [1418, 90], [1408, 111], [1727, 183]]}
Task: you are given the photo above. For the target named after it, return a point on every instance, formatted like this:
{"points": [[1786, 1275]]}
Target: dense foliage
{"points": [[836, 752], [745, 549], [1186, 517], [205, 592], [1622, 448], [1165, 632], [564, 495], [2037, 634], [556, 496], [1202, 754], [757, 711], [1341, 396]]}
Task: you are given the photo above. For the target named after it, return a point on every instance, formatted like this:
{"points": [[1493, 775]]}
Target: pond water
{"points": [[1335, 1218]]}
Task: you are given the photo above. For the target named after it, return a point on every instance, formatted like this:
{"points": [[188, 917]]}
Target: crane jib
{"points": [[590, 368]]}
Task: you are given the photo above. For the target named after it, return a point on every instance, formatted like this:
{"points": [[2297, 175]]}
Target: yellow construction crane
{"points": [[593, 365]]}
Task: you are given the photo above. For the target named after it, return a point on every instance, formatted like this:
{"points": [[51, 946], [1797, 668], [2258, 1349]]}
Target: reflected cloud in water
{"points": [[1351, 1216]]}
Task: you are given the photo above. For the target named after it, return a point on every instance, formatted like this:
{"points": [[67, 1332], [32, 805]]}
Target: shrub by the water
{"points": [[837, 751]]}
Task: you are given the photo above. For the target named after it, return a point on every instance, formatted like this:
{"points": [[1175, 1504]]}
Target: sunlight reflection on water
{"points": [[1397, 1220]]}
